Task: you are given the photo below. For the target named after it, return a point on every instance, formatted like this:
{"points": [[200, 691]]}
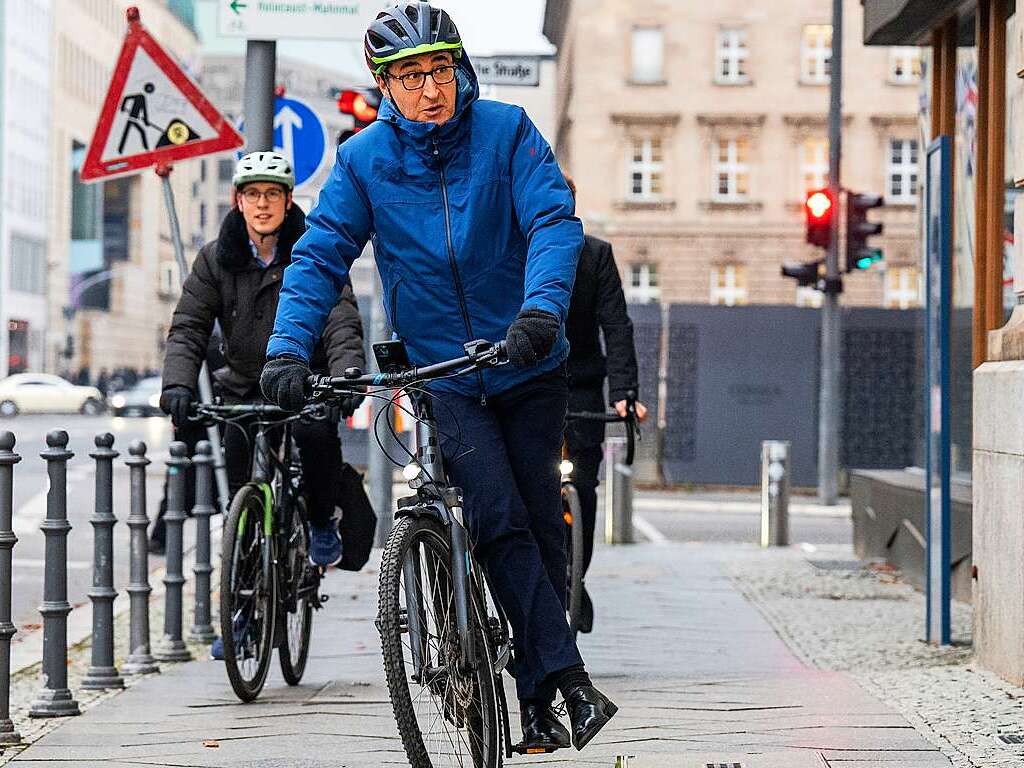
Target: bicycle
{"points": [[269, 589], [444, 639], [571, 510]]}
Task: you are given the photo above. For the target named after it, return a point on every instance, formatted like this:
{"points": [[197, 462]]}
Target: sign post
{"points": [[155, 115], [938, 493]]}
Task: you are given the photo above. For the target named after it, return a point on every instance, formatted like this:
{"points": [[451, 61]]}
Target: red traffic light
{"points": [[819, 207], [819, 203], [354, 103]]}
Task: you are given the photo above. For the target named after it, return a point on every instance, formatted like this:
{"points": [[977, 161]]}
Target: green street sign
{"points": [[295, 19]]}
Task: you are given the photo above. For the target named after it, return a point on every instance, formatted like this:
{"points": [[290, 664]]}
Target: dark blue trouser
{"points": [[507, 467]]}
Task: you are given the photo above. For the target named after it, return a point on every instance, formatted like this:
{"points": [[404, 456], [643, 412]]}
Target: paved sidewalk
{"points": [[700, 677]]}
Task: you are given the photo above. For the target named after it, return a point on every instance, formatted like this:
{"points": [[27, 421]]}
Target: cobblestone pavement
{"points": [[837, 614]]}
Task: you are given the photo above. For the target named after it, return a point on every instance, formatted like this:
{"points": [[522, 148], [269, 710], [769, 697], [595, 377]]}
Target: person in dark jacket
{"points": [[475, 237], [597, 310], [235, 281]]}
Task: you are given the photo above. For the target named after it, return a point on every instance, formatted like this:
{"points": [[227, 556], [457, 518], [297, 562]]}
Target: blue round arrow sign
{"points": [[299, 135]]}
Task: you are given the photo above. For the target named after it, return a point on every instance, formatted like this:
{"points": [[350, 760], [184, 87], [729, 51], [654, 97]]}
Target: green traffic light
{"points": [[865, 262]]}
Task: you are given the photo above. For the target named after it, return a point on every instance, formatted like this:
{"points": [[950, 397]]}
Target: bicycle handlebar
{"points": [[613, 417], [479, 355], [215, 411]]}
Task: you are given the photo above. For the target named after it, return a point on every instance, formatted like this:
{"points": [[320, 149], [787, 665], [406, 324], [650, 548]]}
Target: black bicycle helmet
{"points": [[408, 28]]}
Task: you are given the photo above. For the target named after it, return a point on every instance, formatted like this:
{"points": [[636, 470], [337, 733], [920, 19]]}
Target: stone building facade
{"points": [[694, 130]]}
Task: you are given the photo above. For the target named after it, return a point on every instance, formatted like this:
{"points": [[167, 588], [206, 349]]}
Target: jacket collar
{"points": [[232, 246], [422, 135]]}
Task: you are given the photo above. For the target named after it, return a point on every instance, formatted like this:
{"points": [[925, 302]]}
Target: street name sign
{"points": [[298, 19], [300, 135], [154, 114], [507, 70]]}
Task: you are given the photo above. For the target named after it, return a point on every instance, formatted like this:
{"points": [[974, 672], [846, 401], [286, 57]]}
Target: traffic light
{"points": [[805, 273], [362, 105], [859, 253], [819, 208]]}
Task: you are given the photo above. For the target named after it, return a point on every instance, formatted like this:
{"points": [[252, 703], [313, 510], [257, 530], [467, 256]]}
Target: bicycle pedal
{"points": [[523, 749]]}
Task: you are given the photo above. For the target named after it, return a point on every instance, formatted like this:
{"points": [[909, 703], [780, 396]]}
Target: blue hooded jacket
{"points": [[471, 222]]}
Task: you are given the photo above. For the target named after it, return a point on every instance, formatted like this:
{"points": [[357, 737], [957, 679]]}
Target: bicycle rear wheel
{"points": [[447, 716], [248, 594], [298, 609], [573, 516]]}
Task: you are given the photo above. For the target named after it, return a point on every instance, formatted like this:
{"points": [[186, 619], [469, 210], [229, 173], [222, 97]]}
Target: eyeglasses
{"points": [[272, 195], [413, 81]]}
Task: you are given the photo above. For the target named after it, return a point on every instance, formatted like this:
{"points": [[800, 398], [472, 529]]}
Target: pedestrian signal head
{"points": [[264, 166]]}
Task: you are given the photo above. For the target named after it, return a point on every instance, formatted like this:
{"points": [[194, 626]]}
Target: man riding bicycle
{"points": [[475, 237], [235, 281], [597, 310]]}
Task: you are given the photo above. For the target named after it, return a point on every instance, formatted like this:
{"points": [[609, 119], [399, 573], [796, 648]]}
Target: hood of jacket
{"points": [[422, 135], [233, 251]]}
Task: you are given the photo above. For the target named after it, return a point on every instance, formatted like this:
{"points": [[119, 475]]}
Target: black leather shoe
{"points": [[542, 728], [589, 712]]}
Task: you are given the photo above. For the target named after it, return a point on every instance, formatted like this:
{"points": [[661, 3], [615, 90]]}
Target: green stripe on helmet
{"points": [[383, 61]]}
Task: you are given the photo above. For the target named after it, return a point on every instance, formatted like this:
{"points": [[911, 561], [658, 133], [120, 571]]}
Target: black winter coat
{"points": [[227, 286], [598, 303]]}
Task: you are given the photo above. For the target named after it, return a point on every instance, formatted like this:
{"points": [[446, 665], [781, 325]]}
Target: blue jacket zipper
{"points": [[454, 267]]}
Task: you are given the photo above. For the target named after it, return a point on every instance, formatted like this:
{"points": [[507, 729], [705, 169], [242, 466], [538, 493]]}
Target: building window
{"points": [[170, 280], [729, 284], [901, 171], [902, 288], [731, 170], [642, 287], [731, 57], [904, 65], [814, 164], [225, 170], [28, 265], [645, 169], [816, 54], [648, 55], [807, 296]]}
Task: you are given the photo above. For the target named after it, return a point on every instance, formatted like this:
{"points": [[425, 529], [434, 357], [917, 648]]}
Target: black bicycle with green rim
{"points": [[269, 589]]}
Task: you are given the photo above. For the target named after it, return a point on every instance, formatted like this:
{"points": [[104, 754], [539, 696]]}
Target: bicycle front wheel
{"points": [[573, 516], [447, 715], [248, 594]]}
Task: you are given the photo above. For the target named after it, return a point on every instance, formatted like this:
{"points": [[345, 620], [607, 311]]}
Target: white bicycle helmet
{"points": [[264, 166]]}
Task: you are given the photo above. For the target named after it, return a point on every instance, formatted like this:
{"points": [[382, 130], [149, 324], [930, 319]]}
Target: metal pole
{"points": [[54, 698], [829, 402], [204, 381], [774, 493], [202, 628], [102, 673], [379, 470], [618, 494], [172, 647], [8, 458], [140, 661], [260, 73]]}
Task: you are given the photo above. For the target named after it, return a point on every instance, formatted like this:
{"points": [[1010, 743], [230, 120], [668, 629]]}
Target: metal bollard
{"points": [[102, 673], [618, 522], [172, 647], [202, 627], [140, 661], [54, 698], [774, 493], [8, 458]]}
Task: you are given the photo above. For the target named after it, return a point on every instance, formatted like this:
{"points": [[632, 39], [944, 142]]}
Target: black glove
{"points": [[349, 404], [174, 401], [283, 382], [531, 336]]}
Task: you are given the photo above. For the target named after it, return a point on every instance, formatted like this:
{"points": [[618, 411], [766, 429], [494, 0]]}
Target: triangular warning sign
{"points": [[154, 114]]}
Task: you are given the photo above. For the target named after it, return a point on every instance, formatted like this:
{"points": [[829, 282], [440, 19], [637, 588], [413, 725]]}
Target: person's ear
{"points": [[288, 201], [238, 199]]}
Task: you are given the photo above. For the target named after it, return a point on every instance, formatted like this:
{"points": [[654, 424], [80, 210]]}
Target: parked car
{"points": [[141, 400], [46, 393]]}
